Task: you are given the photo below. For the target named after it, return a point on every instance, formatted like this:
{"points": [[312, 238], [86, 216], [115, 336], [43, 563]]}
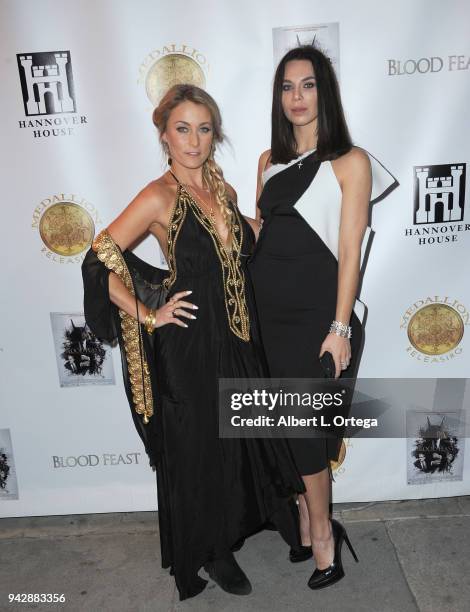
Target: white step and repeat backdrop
{"points": [[79, 81]]}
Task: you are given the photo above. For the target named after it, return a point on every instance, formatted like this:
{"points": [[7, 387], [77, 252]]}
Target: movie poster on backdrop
{"points": [[435, 447], [325, 36], [82, 359], [8, 480]]}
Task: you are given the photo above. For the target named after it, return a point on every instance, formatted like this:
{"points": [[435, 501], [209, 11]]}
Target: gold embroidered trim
{"points": [[176, 221], [109, 253], [232, 274]]}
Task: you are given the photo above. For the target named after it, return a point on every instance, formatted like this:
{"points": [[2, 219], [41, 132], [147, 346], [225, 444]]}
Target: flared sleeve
{"points": [[99, 310], [383, 181], [109, 323]]}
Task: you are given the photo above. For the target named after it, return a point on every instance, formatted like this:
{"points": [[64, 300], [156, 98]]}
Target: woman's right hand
{"points": [[174, 308]]}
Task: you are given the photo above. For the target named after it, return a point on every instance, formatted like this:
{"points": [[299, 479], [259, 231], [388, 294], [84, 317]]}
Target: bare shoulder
{"points": [[353, 169], [150, 206], [264, 160], [354, 161], [232, 194], [158, 196], [159, 191]]}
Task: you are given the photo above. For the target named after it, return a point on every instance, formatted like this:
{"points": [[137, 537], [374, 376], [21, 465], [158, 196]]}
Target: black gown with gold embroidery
{"points": [[212, 492]]}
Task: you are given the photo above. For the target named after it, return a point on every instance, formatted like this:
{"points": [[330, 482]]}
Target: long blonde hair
{"points": [[211, 171]]}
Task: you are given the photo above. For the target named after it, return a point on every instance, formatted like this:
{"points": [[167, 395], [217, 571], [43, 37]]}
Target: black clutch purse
{"points": [[328, 364]]}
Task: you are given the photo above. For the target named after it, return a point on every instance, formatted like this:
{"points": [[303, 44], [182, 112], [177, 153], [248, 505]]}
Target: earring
{"points": [[166, 150], [211, 154]]}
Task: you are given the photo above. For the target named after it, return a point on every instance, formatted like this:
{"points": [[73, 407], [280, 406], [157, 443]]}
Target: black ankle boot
{"points": [[334, 572], [228, 575]]}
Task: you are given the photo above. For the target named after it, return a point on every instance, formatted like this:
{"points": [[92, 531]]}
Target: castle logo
{"points": [[47, 87], [46, 83], [439, 193], [439, 203], [435, 328], [171, 65], [66, 225]]}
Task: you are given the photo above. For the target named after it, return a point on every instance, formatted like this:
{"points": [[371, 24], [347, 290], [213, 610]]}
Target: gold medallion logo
{"points": [[66, 229], [171, 65], [435, 329], [169, 71], [66, 225]]}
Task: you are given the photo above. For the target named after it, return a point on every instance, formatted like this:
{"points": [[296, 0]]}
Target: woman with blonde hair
{"points": [[179, 331]]}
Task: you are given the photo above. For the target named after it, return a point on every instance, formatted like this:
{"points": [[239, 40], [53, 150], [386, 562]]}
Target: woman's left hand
{"points": [[340, 349]]}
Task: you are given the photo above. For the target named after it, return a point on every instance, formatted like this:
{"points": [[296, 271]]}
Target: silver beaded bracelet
{"points": [[341, 329]]}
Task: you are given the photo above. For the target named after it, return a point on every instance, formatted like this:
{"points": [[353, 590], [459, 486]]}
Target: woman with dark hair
{"points": [[314, 190], [212, 492]]}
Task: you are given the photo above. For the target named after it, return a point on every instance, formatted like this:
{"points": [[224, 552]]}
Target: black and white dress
{"points": [[295, 275]]}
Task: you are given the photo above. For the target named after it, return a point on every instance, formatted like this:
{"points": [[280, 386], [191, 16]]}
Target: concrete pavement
{"points": [[414, 556]]}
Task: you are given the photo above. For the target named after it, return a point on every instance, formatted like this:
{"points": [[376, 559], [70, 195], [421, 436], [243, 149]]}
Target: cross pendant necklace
{"points": [[300, 164]]}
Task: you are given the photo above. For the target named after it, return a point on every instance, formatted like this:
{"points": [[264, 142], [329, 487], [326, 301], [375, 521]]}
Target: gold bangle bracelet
{"points": [[150, 321]]}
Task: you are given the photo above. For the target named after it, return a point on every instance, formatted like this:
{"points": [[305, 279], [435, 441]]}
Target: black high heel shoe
{"points": [[228, 575], [301, 553], [334, 572]]}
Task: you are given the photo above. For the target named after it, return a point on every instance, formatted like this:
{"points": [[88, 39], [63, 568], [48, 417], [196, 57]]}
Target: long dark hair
{"points": [[333, 134]]}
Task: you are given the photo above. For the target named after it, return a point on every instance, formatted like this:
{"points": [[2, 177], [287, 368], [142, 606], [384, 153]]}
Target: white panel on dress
{"points": [[320, 204]]}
